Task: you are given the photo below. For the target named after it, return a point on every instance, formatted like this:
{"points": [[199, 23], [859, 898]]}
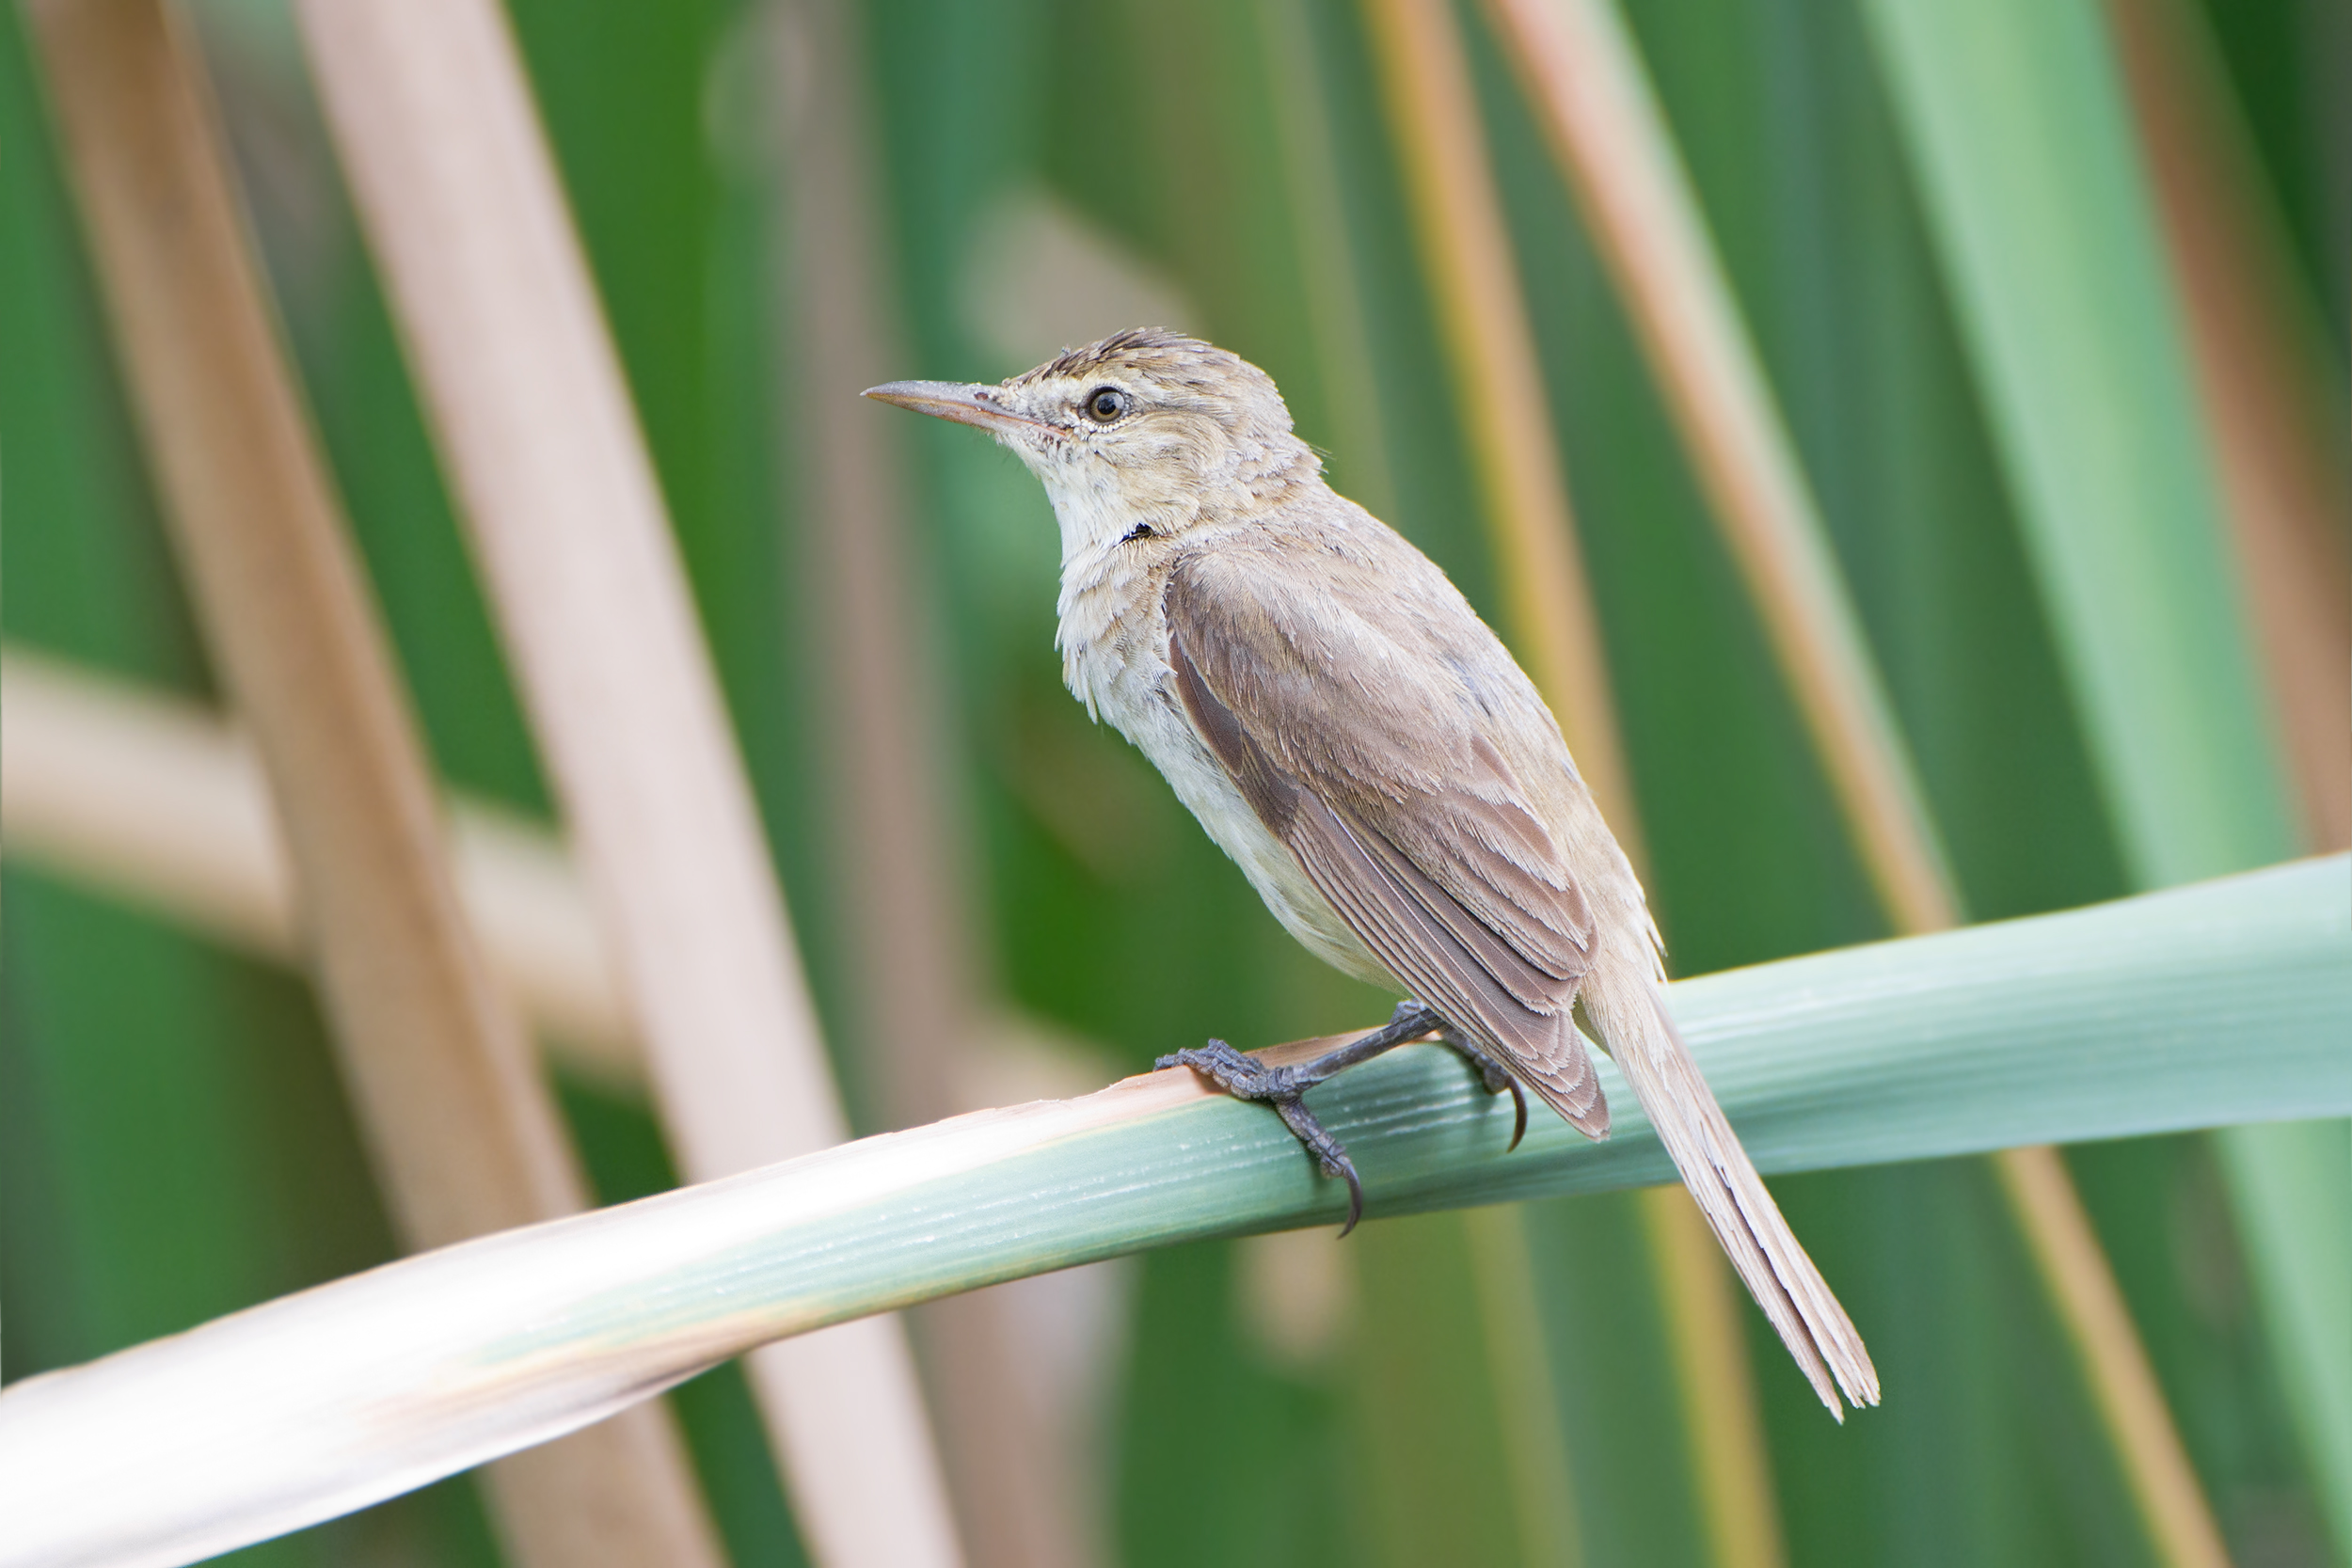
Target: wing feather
{"points": [[1374, 769]]}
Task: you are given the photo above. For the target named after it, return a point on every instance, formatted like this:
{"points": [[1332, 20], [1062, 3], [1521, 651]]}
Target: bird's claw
{"points": [[1246, 1077], [1497, 1078], [1327, 1153]]}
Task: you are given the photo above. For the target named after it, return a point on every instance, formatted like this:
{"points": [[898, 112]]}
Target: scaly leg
{"points": [[1246, 1077]]}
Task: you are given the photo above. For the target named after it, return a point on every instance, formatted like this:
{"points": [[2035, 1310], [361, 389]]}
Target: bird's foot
{"points": [[1497, 1078], [1246, 1077]]}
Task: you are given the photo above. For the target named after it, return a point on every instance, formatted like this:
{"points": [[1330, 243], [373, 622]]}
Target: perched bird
{"points": [[1348, 730]]}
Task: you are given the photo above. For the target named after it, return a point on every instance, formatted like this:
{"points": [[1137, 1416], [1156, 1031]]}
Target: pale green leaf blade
{"points": [[2218, 1004]]}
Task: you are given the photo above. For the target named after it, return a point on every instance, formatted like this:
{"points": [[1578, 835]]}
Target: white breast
{"points": [[1114, 644]]}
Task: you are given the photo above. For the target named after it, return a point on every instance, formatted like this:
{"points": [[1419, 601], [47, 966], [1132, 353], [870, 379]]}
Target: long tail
{"points": [[1631, 1015]]}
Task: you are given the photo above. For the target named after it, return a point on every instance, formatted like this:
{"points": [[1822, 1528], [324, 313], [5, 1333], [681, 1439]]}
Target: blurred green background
{"points": [[173, 1141]]}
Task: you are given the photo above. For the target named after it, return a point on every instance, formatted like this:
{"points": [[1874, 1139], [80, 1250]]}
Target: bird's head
{"points": [[1143, 435]]}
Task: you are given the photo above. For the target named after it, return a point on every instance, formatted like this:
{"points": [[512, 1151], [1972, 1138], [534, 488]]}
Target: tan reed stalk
{"points": [[2282, 459], [465, 1135], [1588, 86], [2285, 464], [458, 194], [900, 859], [1549, 614], [1498, 385], [153, 800]]}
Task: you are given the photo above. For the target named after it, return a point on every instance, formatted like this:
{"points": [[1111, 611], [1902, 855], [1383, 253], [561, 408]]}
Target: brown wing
{"points": [[1357, 726]]}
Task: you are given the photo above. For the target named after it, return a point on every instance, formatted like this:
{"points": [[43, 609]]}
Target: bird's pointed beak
{"points": [[973, 404]]}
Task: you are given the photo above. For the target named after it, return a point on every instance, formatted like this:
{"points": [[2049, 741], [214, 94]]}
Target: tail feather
{"points": [[1642, 1039]]}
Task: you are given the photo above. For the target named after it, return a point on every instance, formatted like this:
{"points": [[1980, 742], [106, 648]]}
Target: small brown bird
{"points": [[1348, 730]]}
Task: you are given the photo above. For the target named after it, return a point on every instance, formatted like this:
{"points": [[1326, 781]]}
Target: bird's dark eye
{"points": [[1105, 403]]}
